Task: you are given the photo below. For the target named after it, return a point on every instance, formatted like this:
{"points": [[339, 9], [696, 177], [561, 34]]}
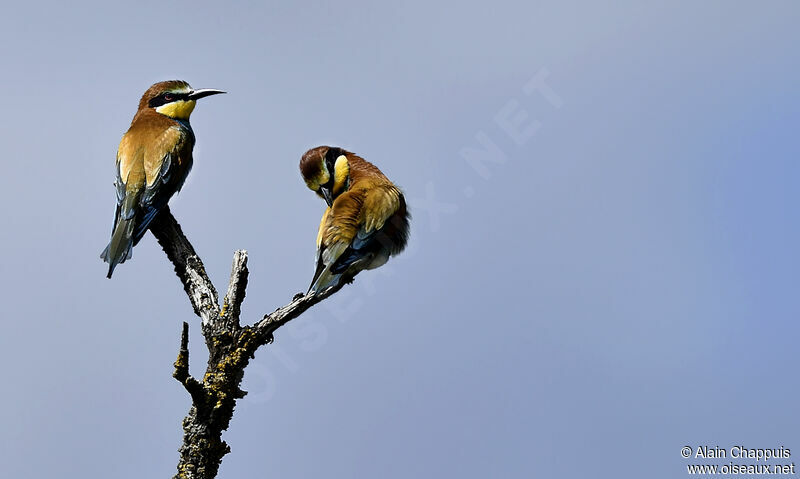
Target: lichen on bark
{"points": [[230, 348]]}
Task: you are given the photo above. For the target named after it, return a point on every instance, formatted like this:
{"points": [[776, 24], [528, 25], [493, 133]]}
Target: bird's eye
{"points": [[169, 97]]}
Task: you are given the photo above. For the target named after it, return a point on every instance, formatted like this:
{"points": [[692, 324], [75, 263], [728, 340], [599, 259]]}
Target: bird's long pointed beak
{"points": [[197, 94], [326, 193]]}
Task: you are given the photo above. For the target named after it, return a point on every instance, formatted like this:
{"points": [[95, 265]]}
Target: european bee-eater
{"points": [[366, 221], [153, 159]]}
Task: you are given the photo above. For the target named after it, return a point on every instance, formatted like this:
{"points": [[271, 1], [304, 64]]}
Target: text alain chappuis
{"points": [[716, 452], [756, 459]]}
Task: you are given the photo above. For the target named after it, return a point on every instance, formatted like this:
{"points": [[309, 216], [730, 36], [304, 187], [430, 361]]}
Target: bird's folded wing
{"points": [[157, 195], [161, 164], [380, 203], [336, 231]]}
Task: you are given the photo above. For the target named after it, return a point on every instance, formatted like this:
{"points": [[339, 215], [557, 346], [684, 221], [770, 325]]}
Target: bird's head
{"points": [[326, 171], [174, 98]]}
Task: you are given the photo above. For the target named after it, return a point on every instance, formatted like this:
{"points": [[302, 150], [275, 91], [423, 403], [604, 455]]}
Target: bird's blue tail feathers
{"points": [[120, 248]]}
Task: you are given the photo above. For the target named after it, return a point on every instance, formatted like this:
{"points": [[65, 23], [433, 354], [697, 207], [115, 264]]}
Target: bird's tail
{"points": [[325, 280], [120, 247]]}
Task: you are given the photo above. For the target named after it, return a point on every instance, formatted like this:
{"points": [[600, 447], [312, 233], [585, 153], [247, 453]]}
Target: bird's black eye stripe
{"points": [[330, 162], [332, 154], [167, 97]]}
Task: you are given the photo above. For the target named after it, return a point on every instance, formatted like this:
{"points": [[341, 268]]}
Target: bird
{"points": [[153, 160], [366, 220]]}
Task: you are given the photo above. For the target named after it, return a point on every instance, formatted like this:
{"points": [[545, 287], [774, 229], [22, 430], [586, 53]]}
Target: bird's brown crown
{"points": [[174, 99], [163, 92], [325, 166]]}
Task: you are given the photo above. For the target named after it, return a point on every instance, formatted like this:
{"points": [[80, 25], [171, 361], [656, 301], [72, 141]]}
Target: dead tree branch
{"points": [[230, 347]]}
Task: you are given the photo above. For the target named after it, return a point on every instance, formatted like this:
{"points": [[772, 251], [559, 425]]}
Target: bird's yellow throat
{"points": [[179, 110]]}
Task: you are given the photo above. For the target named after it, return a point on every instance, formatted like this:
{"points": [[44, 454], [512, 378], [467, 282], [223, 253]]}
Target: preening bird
{"points": [[366, 221], [153, 160]]}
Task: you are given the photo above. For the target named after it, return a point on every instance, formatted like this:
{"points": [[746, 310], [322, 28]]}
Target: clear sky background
{"points": [[616, 279]]}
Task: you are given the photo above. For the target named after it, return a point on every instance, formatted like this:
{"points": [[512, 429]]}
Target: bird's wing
{"points": [[119, 186], [349, 232], [147, 176], [379, 204], [337, 229], [320, 265], [162, 165], [130, 177], [128, 184]]}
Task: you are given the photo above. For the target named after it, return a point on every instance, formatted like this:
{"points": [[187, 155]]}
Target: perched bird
{"points": [[366, 220], [153, 159]]}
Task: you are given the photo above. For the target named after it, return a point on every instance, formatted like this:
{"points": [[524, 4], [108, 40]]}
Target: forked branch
{"points": [[230, 347]]}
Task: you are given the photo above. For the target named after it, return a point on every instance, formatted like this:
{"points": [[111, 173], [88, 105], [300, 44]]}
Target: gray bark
{"points": [[230, 347]]}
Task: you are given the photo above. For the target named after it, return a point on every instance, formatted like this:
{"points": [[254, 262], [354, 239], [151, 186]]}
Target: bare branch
{"points": [[231, 306], [188, 267], [181, 373], [283, 315]]}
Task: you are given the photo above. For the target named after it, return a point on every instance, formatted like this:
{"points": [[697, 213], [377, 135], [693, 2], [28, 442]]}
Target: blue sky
{"points": [[622, 284]]}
